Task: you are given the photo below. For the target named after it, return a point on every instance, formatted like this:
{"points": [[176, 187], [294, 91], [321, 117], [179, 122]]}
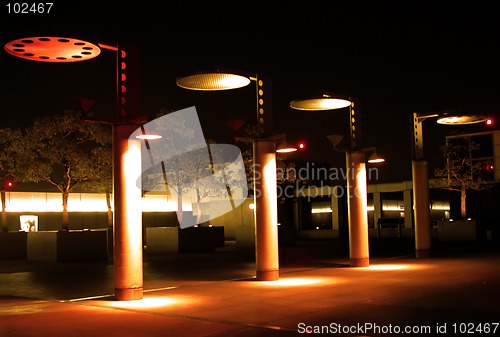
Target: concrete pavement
{"points": [[455, 290]]}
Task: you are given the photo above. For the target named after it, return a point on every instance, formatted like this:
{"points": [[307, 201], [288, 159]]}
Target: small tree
{"points": [[462, 171], [62, 150]]}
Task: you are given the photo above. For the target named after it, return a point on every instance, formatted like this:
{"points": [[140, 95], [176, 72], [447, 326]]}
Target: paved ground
{"points": [[455, 290]]}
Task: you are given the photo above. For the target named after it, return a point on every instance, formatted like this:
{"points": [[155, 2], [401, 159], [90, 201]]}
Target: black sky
{"points": [[396, 57]]}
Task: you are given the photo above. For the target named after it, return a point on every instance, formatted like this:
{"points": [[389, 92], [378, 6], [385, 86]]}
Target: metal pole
{"points": [[420, 179]]}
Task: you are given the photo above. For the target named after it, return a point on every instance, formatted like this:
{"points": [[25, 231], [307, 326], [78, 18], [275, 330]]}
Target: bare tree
{"points": [[463, 171]]}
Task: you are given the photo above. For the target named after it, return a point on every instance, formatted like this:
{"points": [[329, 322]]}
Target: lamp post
{"points": [[356, 174], [420, 177], [128, 246], [264, 160]]}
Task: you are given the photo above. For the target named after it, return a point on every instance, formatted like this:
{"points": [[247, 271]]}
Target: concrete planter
{"points": [[13, 245], [68, 246], [456, 230], [187, 240]]}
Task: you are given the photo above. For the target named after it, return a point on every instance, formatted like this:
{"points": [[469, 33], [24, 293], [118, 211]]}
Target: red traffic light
{"points": [[489, 121], [301, 145]]}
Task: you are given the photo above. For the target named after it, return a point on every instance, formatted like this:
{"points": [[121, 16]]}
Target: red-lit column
{"points": [[266, 214], [423, 237], [357, 209], [128, 214]]}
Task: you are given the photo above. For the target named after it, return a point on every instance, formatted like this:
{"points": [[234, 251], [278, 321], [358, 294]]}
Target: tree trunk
{"points": [[179, 198], [463, 204], [179, 204], [110, 212], [198, 206], [5, 227], [65, 215]]}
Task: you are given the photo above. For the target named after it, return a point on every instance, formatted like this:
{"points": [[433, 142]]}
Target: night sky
{"points": [[396, 57]]}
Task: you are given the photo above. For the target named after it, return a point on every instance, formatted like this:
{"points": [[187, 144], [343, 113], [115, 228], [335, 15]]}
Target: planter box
{"points": [[457, 230], [187, 240], [68, 246], [13, 245]]}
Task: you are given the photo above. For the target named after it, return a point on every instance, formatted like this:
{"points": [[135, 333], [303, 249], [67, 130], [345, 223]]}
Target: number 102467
{"points": [[29, 8]]}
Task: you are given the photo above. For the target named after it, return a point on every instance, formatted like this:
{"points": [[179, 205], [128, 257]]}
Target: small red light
{"points": [[489, 121], [8, 184], [302, 145]]}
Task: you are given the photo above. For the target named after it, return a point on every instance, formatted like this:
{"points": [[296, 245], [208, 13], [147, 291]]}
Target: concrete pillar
{"points": [[266, 210], [421, 208], [128, 214], [357, 209]]}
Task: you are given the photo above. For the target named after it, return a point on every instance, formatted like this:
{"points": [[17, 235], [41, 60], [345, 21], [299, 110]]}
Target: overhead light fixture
{"points": [[285, 148], [52, 49], [326, 102], [148, 137], [461, 120], [212, 81], [335, 140], [375, 158]]}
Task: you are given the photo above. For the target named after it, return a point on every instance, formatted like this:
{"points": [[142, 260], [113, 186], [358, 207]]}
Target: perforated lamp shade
{"points": [[52, 49]]}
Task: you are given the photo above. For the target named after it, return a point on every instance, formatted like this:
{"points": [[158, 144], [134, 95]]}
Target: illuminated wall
{"points": [[82, 202]]}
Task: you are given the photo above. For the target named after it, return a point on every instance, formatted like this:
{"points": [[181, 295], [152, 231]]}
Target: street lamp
{"points": [[420, 176], [356, 173], [264, 154], [128, 246]]}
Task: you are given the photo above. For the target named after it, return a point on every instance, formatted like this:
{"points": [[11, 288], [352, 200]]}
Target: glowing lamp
{"points": [[212, 81], [461, 120], [375, 158], [318, 104]]}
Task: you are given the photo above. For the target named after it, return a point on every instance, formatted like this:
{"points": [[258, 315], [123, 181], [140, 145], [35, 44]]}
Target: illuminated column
{"points": [[266, 205], [421, 208], [128, 214], [357, 205]]}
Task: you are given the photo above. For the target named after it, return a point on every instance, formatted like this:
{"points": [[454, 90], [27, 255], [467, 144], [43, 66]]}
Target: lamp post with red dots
{"points": [[128, 246]]}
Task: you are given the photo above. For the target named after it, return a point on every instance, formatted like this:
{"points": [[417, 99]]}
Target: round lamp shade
{"points": [[320, 103], [52, 49], [461, 120], [212, 81]]}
